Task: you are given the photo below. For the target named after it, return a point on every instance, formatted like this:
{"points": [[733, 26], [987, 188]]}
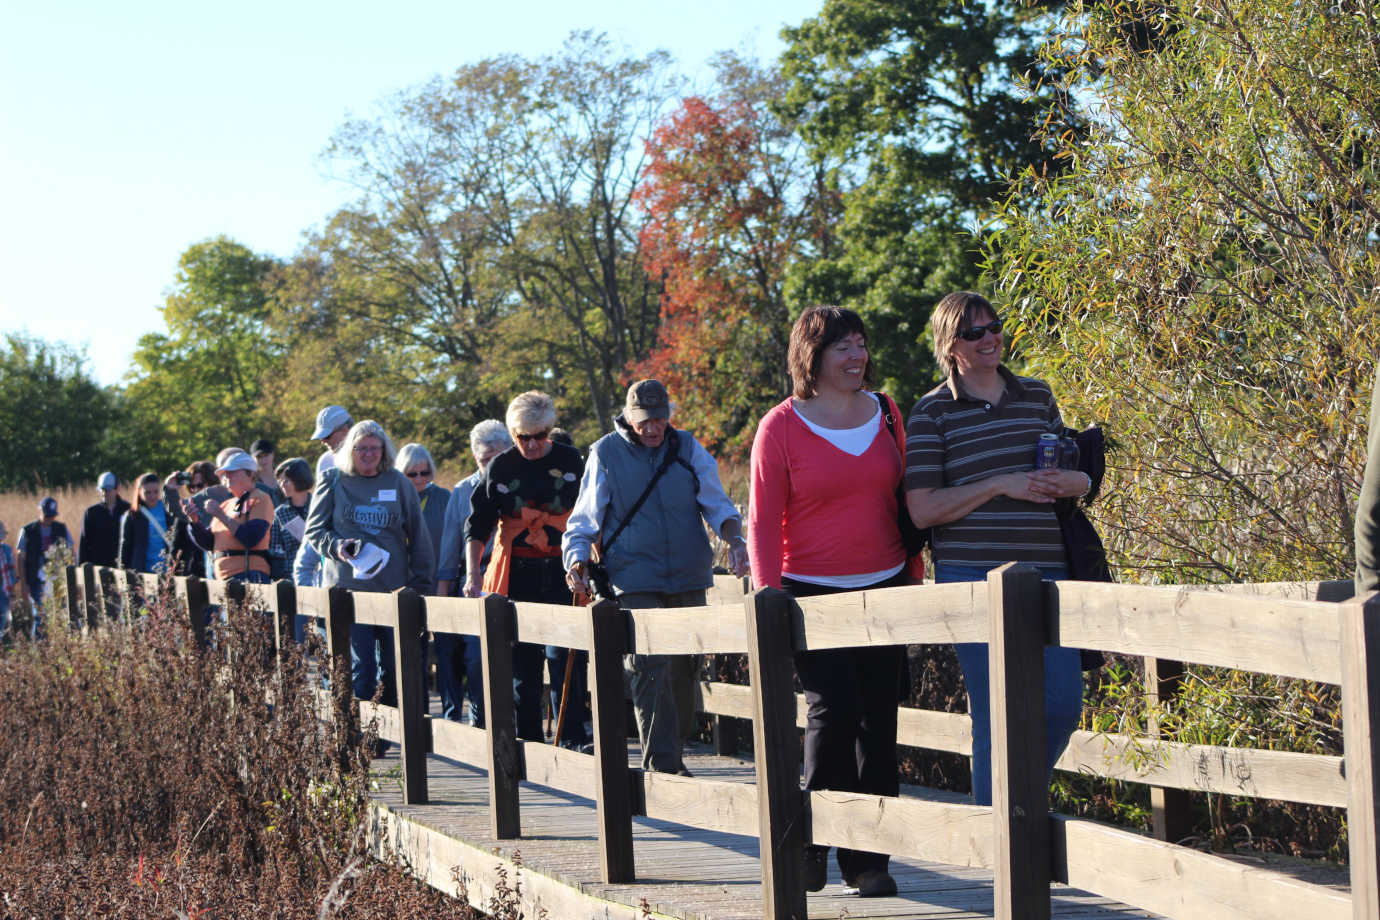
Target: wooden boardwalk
{"points": [[683, 872]]}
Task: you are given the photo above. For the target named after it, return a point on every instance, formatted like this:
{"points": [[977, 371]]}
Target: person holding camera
{"points": [[646, 488], [150, 540], [234, 529]]}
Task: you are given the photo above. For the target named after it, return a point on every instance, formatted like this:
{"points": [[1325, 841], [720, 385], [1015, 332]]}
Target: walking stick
{"points": [[565, 693]]}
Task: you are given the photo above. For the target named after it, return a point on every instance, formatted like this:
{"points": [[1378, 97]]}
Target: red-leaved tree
{"points": [[731, 202]]}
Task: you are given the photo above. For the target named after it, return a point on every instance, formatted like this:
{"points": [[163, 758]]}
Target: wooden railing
{"points": [[1026, 847]]}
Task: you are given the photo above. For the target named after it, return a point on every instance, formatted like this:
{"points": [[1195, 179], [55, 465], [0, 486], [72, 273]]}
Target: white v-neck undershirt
{"points": [[852, 441]]}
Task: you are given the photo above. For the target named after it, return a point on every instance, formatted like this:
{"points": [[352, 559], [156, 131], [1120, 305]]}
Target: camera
{"points": [[600, 585], [182, 478]]}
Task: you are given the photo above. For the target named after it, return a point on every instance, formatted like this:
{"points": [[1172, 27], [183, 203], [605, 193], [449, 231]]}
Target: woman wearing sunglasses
{"points": [[524, 500], [416, 464], [970, 476]]}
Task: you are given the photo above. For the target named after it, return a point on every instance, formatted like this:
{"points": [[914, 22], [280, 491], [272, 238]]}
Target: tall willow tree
{"points": [[1205, 278]]}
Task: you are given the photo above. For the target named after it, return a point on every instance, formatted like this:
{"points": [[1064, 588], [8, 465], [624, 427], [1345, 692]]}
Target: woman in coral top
{"points": [[822, 520]]}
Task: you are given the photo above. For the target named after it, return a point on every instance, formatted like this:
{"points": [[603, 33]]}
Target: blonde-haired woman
{"points": [[366, 511], [526, 494]]}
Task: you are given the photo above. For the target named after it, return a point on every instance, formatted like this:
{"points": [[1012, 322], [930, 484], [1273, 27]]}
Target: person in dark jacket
{"points": [[99, 542], [149, 531], [36, 542]]}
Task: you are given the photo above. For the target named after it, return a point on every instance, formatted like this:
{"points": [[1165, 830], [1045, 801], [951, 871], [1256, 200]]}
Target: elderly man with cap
{"points": [[234, 530], [332, 425], [646, 487], [36, 540], [100, 524]]}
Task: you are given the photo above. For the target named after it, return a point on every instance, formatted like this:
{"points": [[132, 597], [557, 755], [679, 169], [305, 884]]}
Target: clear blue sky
{"points": [[129, 131]]}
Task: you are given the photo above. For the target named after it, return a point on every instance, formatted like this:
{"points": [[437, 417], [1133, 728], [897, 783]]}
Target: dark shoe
{"points": [[875, 883], [816, 872], [684, 771]]}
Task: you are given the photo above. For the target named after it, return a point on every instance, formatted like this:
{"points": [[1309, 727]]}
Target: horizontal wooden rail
{"points": [[389, 725], [712, 805], [464, 743], [373, 608], [454, 614], [556, 767], [552, 624], [1180, 882], [918, 615], [1293, 638], [951, 832]]}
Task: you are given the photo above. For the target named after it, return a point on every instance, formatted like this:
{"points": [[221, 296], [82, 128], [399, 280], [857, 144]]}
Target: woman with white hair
{"points": [[416, 464], [366, 522], [524, 498]]}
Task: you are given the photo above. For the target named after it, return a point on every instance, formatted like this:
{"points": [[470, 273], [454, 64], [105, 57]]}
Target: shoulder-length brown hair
{"points": [[138, 489], [955, 311], [815, 330]]}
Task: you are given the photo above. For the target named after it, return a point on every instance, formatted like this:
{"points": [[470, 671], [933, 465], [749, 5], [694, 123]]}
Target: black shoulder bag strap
{"points": [[672, 456], [913, 538]]}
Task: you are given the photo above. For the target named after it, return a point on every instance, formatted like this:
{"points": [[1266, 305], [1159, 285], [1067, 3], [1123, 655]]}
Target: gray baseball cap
{"points": [[646, 399], [329, 419], [107, 480]]}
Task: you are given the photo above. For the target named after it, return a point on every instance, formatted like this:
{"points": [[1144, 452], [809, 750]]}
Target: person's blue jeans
{"points": [[459, 665], [1063, 688], [371, 663]]}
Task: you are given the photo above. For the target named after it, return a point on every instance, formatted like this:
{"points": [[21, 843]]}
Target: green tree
{"points": [[931, 106], [494, 247], [199, 386], [55, 416], [1205, 279]]}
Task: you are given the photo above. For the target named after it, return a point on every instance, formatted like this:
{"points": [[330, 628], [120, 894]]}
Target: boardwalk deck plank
{"points": [[682, 872]]}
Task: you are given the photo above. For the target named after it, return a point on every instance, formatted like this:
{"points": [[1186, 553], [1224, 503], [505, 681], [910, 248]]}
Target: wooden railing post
{"points": [[497, 631], [776, 745], [110, 592], [1360, 635], [1020, 786], [74, 600], [91, 593], [1168, 807], [412, 700], [340, 616], [196, 608], [286, 613], [608, 641], [724, 729]]}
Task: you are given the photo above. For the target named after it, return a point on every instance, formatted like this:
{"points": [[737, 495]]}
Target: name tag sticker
{"points": [[387, 495]]}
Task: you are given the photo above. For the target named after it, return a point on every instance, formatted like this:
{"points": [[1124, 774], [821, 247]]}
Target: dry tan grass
{"points": [[19, 508]]}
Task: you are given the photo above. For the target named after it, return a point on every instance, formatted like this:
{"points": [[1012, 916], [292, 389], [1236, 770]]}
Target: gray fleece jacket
{"points": [[382, 510]]}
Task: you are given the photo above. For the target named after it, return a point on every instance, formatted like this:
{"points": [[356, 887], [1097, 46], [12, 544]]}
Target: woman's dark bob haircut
{"points": [[816, 330]]}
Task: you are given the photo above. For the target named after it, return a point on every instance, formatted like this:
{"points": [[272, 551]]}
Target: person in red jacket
{"points": [[823, 520]]}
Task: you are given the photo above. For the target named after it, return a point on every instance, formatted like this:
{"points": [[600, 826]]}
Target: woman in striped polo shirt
{"points": [[970, 457]]}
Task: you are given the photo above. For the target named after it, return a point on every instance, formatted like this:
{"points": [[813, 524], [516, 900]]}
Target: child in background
{"points": [[8, 579]]}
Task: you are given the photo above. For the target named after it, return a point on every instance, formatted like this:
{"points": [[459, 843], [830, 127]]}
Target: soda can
{"points": [[1047, 452]]}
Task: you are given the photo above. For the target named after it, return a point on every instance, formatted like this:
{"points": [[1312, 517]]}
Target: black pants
{"points": [[541, 580], [850, 728]]}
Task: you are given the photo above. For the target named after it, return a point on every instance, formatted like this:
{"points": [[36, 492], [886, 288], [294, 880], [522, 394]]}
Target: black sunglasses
{"points": [[418, 473], [975, 333], [539, 436]]}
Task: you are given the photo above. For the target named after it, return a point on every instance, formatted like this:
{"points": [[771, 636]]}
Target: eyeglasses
{"points": [[534, 438], [419, 474], [976, 333], [368, 449]]}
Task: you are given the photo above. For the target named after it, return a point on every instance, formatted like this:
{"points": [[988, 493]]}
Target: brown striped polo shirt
{"points": [[953, 438]]}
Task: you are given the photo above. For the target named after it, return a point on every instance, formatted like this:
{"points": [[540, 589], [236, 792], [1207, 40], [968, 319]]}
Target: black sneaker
{"points": [[816, 872], [875, 883]]}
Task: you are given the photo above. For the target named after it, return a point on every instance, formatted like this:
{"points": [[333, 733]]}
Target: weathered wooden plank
{"points": [[552, 624], [1170, 818], [313, 602], [689, 630], [1179, 882], [340, 616], [1360, 630], [728, 589], [285, 612], [454, 614], [410, 616], [1315, 779], [557, 768], [1293, 638], [1334, 591], [946, 832], [504, 762], [704, 803], [607, 641], [771, 672], [91, 593], [386, 717], [1020, 789], [913, 615], [195, 598], [457, 741], [375, 608]]}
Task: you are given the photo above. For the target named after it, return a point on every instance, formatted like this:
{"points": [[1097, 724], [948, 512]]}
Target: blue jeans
{"points": [[371, 663], [1063, 688], [459, 663]]}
